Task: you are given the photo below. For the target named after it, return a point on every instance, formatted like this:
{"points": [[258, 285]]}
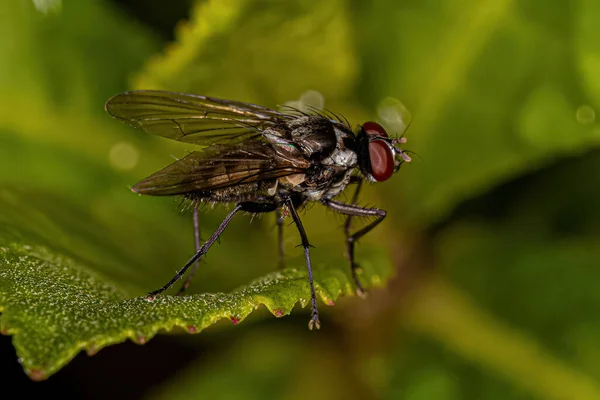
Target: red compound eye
{"points": [[374, 129], [382, 160]]}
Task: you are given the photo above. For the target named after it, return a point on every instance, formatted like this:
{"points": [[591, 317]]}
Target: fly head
{"points": [[379, 156]]}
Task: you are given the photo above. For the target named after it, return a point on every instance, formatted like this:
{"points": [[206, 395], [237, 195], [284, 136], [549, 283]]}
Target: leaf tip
{"points": [[92, 350], [36, 375], [235, 320], [141, 340], [192, 329]]}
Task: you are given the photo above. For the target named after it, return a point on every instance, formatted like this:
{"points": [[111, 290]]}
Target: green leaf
{"points": [[56, 306]]}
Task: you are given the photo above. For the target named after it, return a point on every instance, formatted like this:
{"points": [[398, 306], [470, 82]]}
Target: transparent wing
{"points": [[219, 167], [192, 118]]}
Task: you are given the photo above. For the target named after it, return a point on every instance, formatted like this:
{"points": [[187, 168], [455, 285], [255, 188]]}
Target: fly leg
{"points": [[353, 210], [350, 243], [314, 320], [187, 282], [279, 216], [203, 250]]}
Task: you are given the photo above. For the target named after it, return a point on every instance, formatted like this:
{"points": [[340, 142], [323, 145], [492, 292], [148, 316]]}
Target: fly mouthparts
{"points": [[404, 156], [402, 140]]}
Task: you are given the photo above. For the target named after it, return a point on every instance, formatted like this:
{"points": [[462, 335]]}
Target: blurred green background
{"points": [[494, 229]]}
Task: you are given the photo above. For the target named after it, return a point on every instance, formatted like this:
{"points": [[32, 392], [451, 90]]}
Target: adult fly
{"points": [[261, 160]]}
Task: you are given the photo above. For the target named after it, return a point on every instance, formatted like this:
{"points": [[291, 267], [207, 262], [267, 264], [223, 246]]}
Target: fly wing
{"points": [[193, 118], [220, 167]]}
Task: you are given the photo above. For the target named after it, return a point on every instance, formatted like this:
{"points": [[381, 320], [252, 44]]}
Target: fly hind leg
{"points": [[203, 250], [350, 242], [187, 282], [279, 219]]}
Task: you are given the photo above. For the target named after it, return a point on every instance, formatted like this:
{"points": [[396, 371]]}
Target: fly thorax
{"points": [[342, 158], [314, 135], [344, 154]]}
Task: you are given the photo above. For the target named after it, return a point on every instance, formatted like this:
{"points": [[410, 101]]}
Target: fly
{"points": [[261, 160]]}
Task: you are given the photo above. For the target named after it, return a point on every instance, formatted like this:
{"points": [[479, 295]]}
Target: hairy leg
{"points": [[187, 282], [353, 210], [203, 250], [314, 320], [279, 216]]}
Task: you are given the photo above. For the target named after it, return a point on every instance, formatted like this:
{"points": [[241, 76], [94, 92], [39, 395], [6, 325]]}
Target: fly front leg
{"points": [[203, 250], [352, 210], [350, 242]]}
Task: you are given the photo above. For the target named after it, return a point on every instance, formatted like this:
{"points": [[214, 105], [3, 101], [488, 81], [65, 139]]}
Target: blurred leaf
{"points": [[71, 59], [266, 364], [262, 51], [55, 76], [556, 276], [490, 87], [588, 48], [528, 316], [442, 313], [538, 208]]}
